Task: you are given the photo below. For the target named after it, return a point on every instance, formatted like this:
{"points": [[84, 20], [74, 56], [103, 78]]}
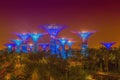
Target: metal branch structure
{"points": [[44, 46], [35, 37], [84, 35], [108, 45], [53, 30], [18, 43], [63, 42], [10, 47], [70, 43], [24, 37]]}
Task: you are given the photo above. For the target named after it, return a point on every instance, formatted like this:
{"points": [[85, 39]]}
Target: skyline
{"points": [[21, 16]]}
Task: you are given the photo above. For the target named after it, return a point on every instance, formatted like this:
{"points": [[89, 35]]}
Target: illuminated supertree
{"points": [[18, 43], [44, 46], [30, 47], [63, 42], [53, 30], [24, 37], [70, 43], [35, 37], [84, 35], [10, 47], [108, 45], [57, 48]]}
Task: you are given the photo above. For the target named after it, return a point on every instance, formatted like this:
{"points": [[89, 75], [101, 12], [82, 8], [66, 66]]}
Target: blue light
{"points": [[53, 29], [85, 35], [63, 41], [23, 36], [17, 42], [10, 46], [35, 36], [30, 47], [70, 43], [44, 46], [108, 45]]}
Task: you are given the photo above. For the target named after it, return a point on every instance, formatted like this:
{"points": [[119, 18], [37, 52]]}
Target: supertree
{"points": [[44, 46], [35, 37], [84, 35], [63, 42], [10, 47], [108, 45], [30, 47], [18, 43], [70, 43], [24, 37], [53, 30]]}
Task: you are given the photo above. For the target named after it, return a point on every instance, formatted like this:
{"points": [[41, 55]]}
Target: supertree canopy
{"points": [[84, 35], [108, 45], [18, 42], [23, 36], [53, 30], [10, 46], [36, 36], [44, 46], [63, 42]]}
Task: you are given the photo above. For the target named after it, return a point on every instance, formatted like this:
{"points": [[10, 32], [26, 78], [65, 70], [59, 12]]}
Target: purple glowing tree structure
{"points": [[70, 43], [63, 42], [84, 35], [35, 37], [10, 47], [44, 46], [108, 45], [53, 30], [24, 37], [18, 43]]}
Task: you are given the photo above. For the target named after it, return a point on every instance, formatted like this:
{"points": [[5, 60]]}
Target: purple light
{"points": [[53, 29], [17, 42], [23, 36], [35, 36], [63, 41], [108, 45]]}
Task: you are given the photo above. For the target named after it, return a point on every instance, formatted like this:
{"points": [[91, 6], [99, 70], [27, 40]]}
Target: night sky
{"points": [[27, 15]]}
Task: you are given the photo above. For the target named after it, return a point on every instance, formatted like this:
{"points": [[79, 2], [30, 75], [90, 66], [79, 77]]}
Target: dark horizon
{"points": [[24, 16]]}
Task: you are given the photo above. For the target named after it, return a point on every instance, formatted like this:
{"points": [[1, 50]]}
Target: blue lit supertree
{"points": [[10, 47], [35, 37], [18, 43], [63, 42], [70, 43], [24, 37], [44, 46], [53, 30], [30, 47], [108, 45], [84, 35]]}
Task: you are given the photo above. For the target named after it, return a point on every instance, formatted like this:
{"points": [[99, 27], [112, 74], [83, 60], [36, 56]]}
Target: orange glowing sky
{"points": [[100, 15]]}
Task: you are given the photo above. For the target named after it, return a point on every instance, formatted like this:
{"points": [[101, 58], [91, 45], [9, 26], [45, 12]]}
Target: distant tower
{"points": [[35, 37], [44, 46], [18, 43], [70, 43], [84, 35], [108, 45], [24, 37], [10, 47], [63, 42], [53, 31]]}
